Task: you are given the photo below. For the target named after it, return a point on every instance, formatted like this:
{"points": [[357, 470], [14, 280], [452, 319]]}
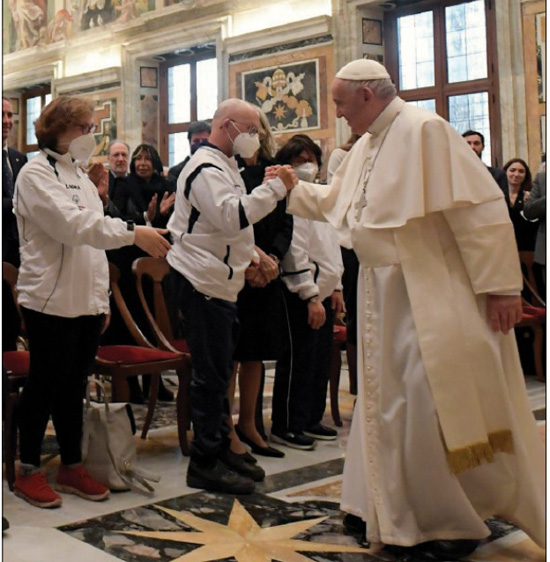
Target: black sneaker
{"points": [[241, 466], [322, 432], [218, 478], [294, 440]]}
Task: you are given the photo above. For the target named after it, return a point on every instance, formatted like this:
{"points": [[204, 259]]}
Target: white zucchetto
{"points": [[362, 69]]}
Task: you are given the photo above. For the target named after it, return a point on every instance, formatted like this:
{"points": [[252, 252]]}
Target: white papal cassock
{"points": [[442, 435]]}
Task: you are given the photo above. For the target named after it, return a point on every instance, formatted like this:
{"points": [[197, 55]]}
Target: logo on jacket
{"points": [[76, 201]]}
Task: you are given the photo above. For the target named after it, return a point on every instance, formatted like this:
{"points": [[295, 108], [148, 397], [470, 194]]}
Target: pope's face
{"points": [[352, 105]]}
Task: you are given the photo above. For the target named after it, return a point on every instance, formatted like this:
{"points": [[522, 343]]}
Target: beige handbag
{"points": [[108, 446]]}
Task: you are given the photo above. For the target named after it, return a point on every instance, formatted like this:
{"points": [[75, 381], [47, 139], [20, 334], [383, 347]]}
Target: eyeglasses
{"points": [[251, 129], [86, 129]]}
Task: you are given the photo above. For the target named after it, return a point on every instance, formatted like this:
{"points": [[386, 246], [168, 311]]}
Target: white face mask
{"points": [[82, 147], [244, 144], [306, 172]]}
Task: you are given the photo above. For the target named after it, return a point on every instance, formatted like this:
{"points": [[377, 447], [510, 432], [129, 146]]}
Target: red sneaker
{"points": [[35, 489], [77, 481]]}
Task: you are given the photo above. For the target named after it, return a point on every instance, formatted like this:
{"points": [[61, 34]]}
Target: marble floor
{"points": [[294, 515]]}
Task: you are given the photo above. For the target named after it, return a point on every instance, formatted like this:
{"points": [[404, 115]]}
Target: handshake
{"points": [[286, 173]]}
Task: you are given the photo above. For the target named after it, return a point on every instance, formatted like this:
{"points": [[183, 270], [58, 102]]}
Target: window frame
{"points": [[35, 93], [442, 89], [167, 128]]}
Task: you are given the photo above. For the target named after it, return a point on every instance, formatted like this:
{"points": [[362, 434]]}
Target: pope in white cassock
{"points": [[442, 436]]}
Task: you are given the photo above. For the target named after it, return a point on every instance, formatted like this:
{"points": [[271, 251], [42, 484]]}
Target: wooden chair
{"points": [[156, 271], [338, 345], [122, 361], [534, 312], [15, 372]]}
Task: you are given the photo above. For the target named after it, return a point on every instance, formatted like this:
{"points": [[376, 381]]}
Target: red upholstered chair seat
{"points": [[16, 362], [340, 334], [133, 355], [533, 311], [180, 345]]}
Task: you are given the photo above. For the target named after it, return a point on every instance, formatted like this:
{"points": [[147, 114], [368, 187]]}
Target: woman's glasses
{"points": [[86, 129]]}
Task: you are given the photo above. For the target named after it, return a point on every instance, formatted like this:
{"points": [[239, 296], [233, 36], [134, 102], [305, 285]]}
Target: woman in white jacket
{"points": [[312, 271], [63, 290]]}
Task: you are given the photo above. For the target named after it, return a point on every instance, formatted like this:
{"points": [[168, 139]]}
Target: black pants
{"points": [[212, 330], [11, 323], [62, 351], [303, 369]]}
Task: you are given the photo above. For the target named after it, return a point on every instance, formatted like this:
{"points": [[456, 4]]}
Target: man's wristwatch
{"points": [[314, 298], [130, 225]]}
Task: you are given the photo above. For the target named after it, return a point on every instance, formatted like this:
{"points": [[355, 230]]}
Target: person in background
{"points": [[351, 271], [12, 162], [198, 133], [477, 143], [259, 305], [118, 153], [442, 410], [312, 272], [517, 192], [535, 208], [213, 252], [144, 196], [63, 290], [107, 181]]}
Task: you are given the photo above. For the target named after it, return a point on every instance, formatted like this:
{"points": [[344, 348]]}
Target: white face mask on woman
{"points": [[244, 144], [306, 172], [82, 147]]}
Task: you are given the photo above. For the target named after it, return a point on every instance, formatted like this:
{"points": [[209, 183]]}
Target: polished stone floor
{"points": [[294, 515]]}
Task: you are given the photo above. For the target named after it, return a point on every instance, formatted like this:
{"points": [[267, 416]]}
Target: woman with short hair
{"points": [[63, 290]]}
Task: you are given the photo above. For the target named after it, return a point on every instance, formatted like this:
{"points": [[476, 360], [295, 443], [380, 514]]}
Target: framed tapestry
{"points": [[292, 87], [287, 93]]}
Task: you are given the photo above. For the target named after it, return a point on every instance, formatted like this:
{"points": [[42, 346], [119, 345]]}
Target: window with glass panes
{"points": [[33, 102], [441, 56], [188, 92]]}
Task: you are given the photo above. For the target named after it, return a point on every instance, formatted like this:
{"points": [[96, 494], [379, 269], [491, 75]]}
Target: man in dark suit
{"points": [[12, 162], [118, 153], [198, 132], [535, 208], [477, 143]]}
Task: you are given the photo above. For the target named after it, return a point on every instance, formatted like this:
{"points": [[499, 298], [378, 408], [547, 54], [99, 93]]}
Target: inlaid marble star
{"points": [[242, 538]]}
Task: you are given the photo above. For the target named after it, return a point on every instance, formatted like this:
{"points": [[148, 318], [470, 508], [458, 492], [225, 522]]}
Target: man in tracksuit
{"points": [[213, 251]]}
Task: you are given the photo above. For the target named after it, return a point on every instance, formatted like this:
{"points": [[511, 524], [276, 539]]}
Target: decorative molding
{"points": [[276, 36], [28, 77], [90, 81], [305, 43], [174, 37]]}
